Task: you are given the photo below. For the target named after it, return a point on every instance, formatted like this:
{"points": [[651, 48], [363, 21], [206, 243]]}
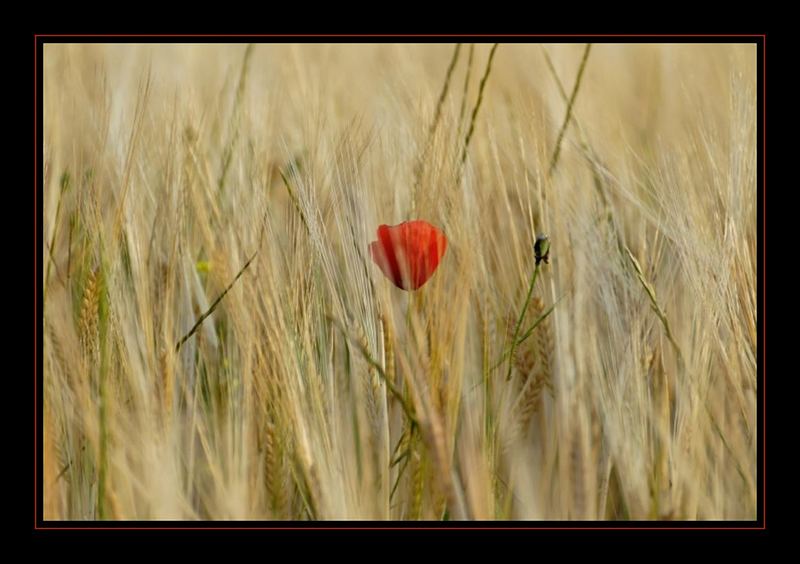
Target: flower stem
{"points": [[521, 317]]}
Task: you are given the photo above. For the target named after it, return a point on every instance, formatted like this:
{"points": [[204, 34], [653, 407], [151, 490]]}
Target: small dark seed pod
{"points": [[541, 248]]}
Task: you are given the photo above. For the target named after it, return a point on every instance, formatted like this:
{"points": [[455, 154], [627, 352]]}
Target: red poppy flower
{"points": [[409, 253]]}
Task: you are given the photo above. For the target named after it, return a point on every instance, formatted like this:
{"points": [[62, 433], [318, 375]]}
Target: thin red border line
{"points": [[404, 528], [763, 260], [764, 276], [35, 288], [763, 296], [396, 35], [763, 257]]}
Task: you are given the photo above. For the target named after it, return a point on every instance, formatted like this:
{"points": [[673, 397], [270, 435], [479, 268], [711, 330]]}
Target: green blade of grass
{"points": [[568, 114], [214, 305], [521, 317]]}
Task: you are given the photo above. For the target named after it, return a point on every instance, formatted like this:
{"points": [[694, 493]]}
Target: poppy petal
{"points": [[379, 257], [409, 253]]}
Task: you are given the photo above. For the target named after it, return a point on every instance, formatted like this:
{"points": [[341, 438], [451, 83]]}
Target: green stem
{"points": [[407, 407], [211, 309], [525, 335], [519, 321], [571, 103], [103, 321], [466, 86], [418, 170], [477, 106]]}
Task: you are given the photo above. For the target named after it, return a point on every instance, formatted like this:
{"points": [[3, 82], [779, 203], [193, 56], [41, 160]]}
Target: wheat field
{"points": [[317, 390]]}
